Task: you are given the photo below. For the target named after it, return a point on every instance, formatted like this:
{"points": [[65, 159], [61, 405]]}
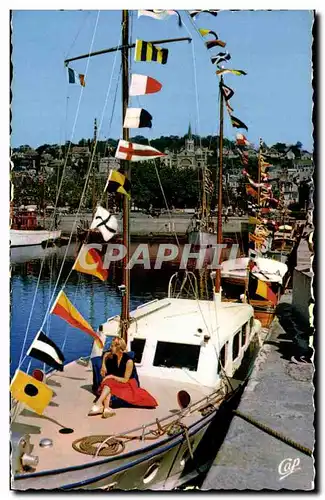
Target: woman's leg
{"points": [[107, 399], [107, 412], [105, 392]]}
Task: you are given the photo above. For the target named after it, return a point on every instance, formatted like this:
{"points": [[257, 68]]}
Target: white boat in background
{"points": [[26, 231], [235, 270], [28, 237], [202, 238]]}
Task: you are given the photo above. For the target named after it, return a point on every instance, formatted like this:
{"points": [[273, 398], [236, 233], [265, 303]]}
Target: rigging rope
{"points": [[21, 359], [85, 187]]}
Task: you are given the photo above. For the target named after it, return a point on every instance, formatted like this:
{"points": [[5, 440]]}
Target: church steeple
{"points": [[189, 133], [189, 142]]}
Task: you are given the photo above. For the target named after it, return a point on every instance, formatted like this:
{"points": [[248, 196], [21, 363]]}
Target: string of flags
{"points": [[35, 394], [266, 200]]}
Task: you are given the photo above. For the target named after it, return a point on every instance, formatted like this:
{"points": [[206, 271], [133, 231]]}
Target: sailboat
{"points": [[188, 354]]}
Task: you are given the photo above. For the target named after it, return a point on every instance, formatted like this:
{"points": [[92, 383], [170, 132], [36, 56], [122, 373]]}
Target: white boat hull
{"points": [[152, 459], [202, 238], [272, 271], [24, 238], [123, 473]]}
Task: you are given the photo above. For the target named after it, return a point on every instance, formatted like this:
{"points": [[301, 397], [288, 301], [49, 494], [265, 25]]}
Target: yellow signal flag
{"points": [[26, 389], [254, 220]]}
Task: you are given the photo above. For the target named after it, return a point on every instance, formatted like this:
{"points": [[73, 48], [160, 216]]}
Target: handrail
{"points": [[180, 414]]}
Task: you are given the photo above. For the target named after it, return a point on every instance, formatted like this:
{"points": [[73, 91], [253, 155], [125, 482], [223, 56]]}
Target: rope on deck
{"points": [[273, 433]]}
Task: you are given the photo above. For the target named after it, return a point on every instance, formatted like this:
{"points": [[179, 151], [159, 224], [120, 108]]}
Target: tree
{"points": [[281, 147]]}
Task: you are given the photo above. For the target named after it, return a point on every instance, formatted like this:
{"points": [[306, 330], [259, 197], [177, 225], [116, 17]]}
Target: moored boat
{"points": [[179, 345]]}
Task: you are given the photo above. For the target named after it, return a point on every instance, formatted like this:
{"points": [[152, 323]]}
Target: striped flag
{"points": [[62, 307], [223, 71], [118, 183], [75, 77], [89, 261], [237, 123], [142, 84], [137, 118], [264, 290], [44, 349], [146, 51], [136, 152], [33, 393]]}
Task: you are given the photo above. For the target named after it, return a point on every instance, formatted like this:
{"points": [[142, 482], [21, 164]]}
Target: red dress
{"points": [[129, 391]]}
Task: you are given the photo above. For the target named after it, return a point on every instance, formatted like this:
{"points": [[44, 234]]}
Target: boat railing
{"points": [[188, 285], [146, 430]]}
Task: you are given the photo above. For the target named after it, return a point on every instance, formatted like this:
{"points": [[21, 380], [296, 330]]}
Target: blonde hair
{"points": [[120, 342]]}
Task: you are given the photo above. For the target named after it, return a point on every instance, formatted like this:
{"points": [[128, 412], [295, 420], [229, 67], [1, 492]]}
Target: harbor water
{"points": [[34, 276]]}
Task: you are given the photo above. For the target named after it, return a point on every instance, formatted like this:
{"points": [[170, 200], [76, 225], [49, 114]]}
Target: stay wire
{"points": [[84, 189], [56, 201]]}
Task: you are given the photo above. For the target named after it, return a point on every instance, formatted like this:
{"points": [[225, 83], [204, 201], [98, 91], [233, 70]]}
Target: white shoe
{"points": [[95, 410]]}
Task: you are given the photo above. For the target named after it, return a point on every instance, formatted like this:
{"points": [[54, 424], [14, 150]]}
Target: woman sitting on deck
{"points": [[120, 381]]}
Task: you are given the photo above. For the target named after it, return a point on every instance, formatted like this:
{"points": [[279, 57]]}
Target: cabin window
{"points": [[222, 357], [235, 346], [137, 346], [174, 355], [244, 334]]}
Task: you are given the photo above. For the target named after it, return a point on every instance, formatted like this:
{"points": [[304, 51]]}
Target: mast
{"points": [[125, 313], [94, 169], [124, 48], [219, 224], [259, 174]]}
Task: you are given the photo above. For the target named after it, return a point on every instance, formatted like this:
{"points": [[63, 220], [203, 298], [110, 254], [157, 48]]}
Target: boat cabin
{"points": [[190, 342], [24, 219]]}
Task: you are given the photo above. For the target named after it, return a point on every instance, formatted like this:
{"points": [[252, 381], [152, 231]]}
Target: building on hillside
{"points": [[189, 156], [80, 151], [106, 164]]}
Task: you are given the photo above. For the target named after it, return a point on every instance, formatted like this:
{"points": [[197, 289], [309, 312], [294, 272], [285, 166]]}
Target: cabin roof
{"points": [[184, 320]]}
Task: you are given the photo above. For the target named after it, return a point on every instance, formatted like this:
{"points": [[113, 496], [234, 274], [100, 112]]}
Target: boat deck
{"points": [[72, 399]]}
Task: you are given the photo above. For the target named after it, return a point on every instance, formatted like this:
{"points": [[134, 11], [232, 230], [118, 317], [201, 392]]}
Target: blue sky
{"points": [[274, 99]]}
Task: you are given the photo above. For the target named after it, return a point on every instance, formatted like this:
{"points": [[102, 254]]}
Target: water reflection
{"points": [[96, 300]]}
